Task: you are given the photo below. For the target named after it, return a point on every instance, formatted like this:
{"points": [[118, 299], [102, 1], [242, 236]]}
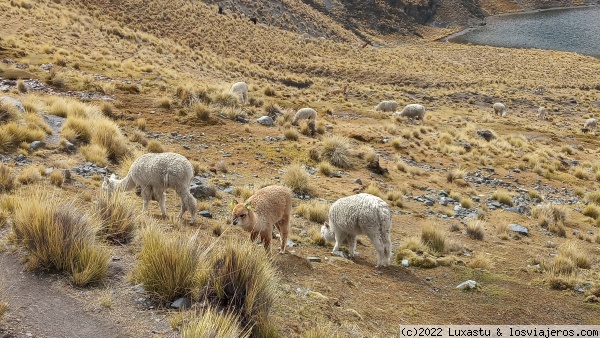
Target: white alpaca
{"points": [[500, 109], [240, 89], [413, 110], [305, 114], [155, 173], [360, 214]]}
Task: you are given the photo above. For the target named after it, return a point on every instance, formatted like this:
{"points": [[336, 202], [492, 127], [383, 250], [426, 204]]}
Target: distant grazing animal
{"points": [[305, 114], [220, 9], [590, 124], [154, 174], [269, 206], [542, 113], [339, 91], [387, 106], [499, 109], [413, 110], [361, 214], [240, 89]]}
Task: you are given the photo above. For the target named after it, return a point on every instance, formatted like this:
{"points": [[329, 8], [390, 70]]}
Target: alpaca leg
{"points": [[379, 247], [266, 238], [352, 246], [162, 200], [146, 193], [253, 236]]}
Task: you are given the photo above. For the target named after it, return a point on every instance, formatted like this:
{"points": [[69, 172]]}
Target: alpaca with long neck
{"points": [[154, 174]]}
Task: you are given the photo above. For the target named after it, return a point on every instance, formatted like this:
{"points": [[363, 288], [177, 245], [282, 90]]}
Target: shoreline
{"points": [[468, 29]]}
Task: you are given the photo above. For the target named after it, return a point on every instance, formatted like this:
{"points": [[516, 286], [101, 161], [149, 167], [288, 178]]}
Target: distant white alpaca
{"points": [[500, 109], [155, 173], [360, 214], [413, 110], [240, 89]]}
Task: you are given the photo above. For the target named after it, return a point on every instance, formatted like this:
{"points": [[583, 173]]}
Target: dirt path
{"points": [[39, 309]]}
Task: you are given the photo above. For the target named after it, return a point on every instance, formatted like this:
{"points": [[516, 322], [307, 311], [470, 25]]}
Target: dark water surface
{"points": [[572, 30]]}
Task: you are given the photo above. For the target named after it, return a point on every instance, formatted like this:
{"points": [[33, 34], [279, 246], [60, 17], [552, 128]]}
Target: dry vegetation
{"points": [[168, 91]]}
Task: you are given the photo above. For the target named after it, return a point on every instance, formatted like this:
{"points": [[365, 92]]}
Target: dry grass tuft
{"points": [[242, 192], [7, 178], [454, 174], [322, 330], [8, 112], [434, 238], [475, 230], [118, 218], [211, 323], [313, 211], [503, 197], [168, 263], [241, 280], [575, 252], [96, 154], [336, 149], [155, 146], [593, 197], [480, 261], [57, 178], [325, 168], [374, 190], [201, 111], [296, 178], [57, 236], [108, 136], [592, 211], [29, 175], [291, 134], [552, 216]]}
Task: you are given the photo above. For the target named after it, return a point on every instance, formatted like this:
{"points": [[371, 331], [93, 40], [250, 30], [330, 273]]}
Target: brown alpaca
{"points": [[269, 206], [339, 91]]}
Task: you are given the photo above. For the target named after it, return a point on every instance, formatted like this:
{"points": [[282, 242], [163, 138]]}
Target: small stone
{"points": [[35, 145], [290, 243], [429, 279], [48, 171], [265, 121], [186, 147], [467, 285], [314, 259], [358, 181], [405, 263], [181, 303], [519, 229], [205, 213], [240, 119], [429, 203]]}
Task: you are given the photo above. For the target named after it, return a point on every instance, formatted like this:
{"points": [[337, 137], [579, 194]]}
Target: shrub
{"points": [[503, 197], [57, 236], [466, 202], [242, 192], [325, 168], [434, 238], [57, 178], [225, 99], [374, 190], [552, 216], [7, 179], [29, 175], [336, 149], [592, 211], [165, 102], [201, 111], [575, 253], [155, 146], [241, 280], [95, 154], [480, 262], [269, 91], [8, 112], [296, 178], [454, 174], [314, 211], [211, 324], [79, 127], [168, 264], [291, 134], [108, 135], [138, 137], [475, 230], [141, 123], [322, 330], [593, 197], [117, 217]]}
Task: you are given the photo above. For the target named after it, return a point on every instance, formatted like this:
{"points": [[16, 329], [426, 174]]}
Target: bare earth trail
{"points": [[38, 309]]}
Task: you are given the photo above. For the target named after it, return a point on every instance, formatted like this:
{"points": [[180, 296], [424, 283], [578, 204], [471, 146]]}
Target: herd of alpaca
{"points": [[271, 206]]}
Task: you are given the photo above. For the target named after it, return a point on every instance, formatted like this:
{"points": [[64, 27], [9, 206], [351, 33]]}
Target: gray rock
{"points": [[240, 119], [15, 102], [205, 213], [70, 146], [358, 181], [467, 285], [265, 121], [514, 209], [339, 253], [314, 259], [35, 145], [48, 171], [405, 263], [200, 188], [519, 229], [181, 303], [429, 203], [290, 243], [20, 158], [429, 279]]}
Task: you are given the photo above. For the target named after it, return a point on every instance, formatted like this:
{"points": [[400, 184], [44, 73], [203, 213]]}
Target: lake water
{"points": [[573, 30]]}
